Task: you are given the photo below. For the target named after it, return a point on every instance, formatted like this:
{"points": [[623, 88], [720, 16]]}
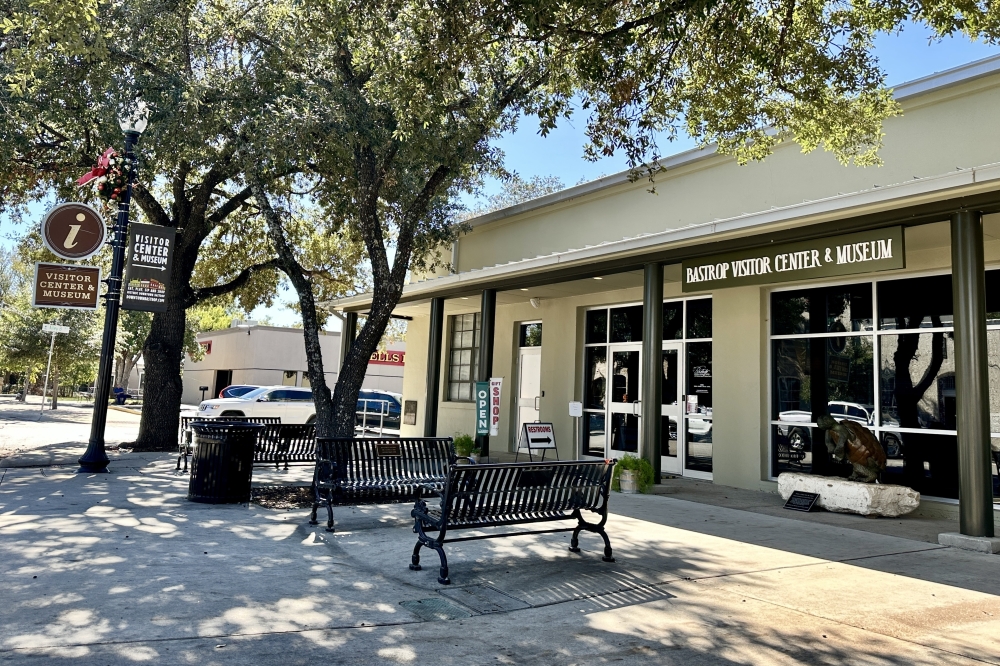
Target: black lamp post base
{"points": [[95, 460]]}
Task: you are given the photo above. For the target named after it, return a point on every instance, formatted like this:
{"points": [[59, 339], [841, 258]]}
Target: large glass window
{"points": [[463, 359], [896, 378], [611, 380]]}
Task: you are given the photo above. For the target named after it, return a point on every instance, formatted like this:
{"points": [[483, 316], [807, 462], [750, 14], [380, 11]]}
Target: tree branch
{"points": [[198, 295], [150, 206]]}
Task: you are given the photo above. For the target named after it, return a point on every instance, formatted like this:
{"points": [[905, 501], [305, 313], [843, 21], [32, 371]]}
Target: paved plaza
{"points": [[122, 569]]}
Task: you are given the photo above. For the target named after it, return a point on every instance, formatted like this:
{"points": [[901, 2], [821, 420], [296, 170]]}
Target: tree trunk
{"points": [[310, 322], [163, 353]]}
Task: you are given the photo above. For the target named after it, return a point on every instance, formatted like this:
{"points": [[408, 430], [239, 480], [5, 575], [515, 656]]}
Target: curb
{"points": [[119, 408]]}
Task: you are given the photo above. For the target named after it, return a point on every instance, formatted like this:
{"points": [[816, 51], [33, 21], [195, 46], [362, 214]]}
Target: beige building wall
{"points": [[939, 132], [741, 379]]}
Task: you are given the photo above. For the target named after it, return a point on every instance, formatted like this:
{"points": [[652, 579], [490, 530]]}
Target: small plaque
{"points": [[388, 450], [409, 412], [801, 501]]}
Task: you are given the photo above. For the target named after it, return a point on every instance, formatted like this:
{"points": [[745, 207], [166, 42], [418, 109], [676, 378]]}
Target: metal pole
{"points": [[652, 366], [45, 385], [487, 328], [975, 479], [434, 337], [95, 459]]}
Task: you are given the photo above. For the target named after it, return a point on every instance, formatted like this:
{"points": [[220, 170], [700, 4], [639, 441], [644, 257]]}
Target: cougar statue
{"points": [[849, 441]]}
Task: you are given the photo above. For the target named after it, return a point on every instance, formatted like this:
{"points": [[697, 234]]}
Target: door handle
{"points": [[537, 398], [635, 405]]}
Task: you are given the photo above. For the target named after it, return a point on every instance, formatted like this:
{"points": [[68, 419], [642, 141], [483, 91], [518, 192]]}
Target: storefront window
{"points": [[626, 324], [699, 318], [530, 335], [827, 359], [596, 369], [463, 360], [673, 321], [597, 327]]}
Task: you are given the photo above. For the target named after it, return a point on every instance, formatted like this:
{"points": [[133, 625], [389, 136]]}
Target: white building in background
{"points": [[248, 353]]}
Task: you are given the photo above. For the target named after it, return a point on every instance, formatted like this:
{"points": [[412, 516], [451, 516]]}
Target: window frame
{"points": [[473, 361]]}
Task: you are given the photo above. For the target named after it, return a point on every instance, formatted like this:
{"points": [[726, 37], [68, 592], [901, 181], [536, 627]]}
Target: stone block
{"points": [[843, 496], [965, 542]]}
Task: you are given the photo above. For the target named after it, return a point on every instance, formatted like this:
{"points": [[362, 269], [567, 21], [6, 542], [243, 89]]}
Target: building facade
{"points": [[271, 356], [709, 325]]}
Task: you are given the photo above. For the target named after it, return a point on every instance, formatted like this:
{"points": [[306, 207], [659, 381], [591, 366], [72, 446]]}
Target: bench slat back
{"points": [[279, 442], [375, 458], [506, 491]]}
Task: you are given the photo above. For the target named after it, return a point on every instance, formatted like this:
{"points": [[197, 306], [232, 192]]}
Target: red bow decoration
{"points": [[99, 170]]}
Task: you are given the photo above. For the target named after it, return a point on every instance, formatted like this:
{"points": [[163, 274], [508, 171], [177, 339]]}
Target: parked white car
{"points": [[291, 404]]}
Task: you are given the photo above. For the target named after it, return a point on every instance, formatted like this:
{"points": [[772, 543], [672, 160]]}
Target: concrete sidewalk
{"points": [[120, 569]]}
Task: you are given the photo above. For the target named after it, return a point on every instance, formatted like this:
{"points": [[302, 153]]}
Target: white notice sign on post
{"points": [[54, 328]]}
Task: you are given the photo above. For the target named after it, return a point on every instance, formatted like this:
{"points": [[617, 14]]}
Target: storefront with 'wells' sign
{"points": [[720, 327]]}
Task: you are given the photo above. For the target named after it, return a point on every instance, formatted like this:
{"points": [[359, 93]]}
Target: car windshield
{"points": [[254, 394]]}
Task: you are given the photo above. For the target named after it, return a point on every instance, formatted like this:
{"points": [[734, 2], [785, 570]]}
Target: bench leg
{"points": [[415, 558], [574, 543], [443, 578]]}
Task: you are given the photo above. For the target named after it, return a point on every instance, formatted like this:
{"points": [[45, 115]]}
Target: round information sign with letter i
{"points": [[73, 231]]}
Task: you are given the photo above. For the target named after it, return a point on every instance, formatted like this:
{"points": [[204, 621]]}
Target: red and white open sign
{"points": [[537, 436]]}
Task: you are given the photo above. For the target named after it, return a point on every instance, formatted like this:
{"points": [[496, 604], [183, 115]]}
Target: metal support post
{"points": [[435, 335], [487, 328], [95, 459], [48, 368], [975, 479], [651, 392]]}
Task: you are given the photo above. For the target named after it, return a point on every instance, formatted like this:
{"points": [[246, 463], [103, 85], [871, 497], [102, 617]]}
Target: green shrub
{"points": [[465, 445], [642, 468]]}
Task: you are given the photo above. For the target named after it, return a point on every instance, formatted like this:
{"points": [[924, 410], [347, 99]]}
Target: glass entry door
{"points": [[623, 400], [671, 413]]}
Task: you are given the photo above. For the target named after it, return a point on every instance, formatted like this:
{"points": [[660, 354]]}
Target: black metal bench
{"points": [[378, 470], [286, 443], [481, 496], [184, 436]]}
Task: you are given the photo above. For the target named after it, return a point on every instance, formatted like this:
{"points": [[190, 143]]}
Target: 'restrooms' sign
{"points": [[861, 252]]}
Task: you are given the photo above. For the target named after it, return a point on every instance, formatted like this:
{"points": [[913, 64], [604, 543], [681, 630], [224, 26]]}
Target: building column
{"points": [[487, 329], [347, 336], [975, 482], [435, 334], [651, 391]]}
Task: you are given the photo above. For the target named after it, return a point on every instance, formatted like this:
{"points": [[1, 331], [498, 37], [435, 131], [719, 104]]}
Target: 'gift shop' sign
{"points": [[861, 252]]}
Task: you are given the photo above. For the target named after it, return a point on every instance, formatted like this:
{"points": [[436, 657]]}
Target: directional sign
{"points": [[54, 328], [150, 256], [73, 231], [537, 436], [59, 286]]}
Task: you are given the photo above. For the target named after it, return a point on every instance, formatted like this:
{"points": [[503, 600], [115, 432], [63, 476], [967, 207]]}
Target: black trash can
{"points": [[222, 463]]}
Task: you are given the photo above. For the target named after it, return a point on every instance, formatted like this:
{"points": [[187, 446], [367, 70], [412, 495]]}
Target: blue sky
{"points": [[905, 56]]}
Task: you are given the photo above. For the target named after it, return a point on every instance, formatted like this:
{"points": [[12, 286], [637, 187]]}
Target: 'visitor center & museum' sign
{"points": [[862, 252]]}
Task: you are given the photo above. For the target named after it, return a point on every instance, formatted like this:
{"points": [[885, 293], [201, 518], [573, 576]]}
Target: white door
{"points": [[624, 406], [529, 387], [670, 411]]}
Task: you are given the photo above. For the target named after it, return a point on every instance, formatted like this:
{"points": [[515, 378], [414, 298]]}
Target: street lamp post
{"points": [[96, 458]]}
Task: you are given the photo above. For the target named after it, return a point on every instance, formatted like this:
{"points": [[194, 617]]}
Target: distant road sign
{"points": [[73, 231], [54, 328], [59, 286]]}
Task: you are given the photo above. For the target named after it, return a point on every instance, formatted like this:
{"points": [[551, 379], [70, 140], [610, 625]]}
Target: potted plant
{"points": [[465, 447], [632, 475]]}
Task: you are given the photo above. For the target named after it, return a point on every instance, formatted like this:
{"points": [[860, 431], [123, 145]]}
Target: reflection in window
{"points": [[790, 374], [792, 449], [624, 432], [915, 303], [596, 367], [698, 445], [625, 376], [699, 318], [699, 374], [669, 383], [668, 443], [673, 321], [626, 324], [597, 326], [917, 381], [594, 435], [530, 335], [839, 309]]}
